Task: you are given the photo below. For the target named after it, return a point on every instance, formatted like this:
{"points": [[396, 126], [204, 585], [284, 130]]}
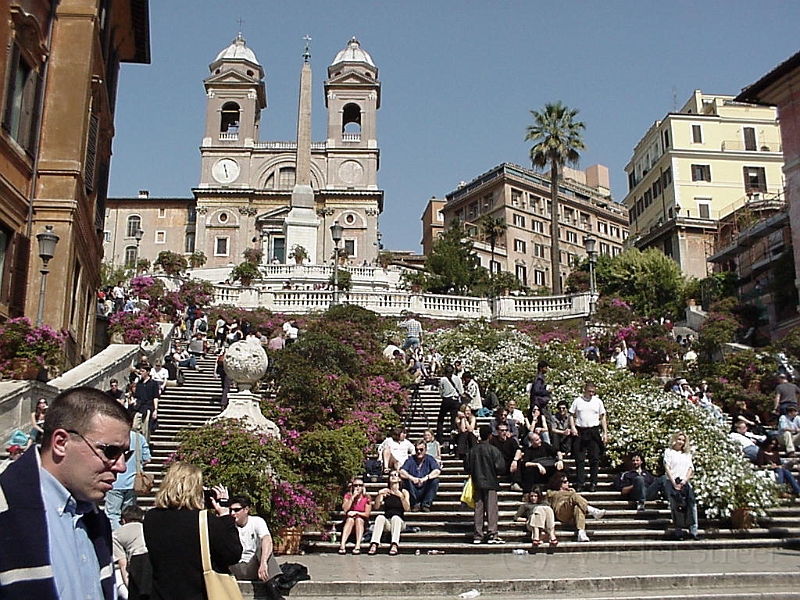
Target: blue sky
{"points": [[458, 80]]}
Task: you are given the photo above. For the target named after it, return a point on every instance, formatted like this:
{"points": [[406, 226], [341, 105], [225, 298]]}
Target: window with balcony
{"points": [[701, 173], [703, 207], [516, 197], [749, 134], [521, 271], [755, 179]]}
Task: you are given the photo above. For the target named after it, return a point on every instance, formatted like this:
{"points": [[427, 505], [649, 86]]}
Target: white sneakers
{"points": [[582, 537], [596, 513]]}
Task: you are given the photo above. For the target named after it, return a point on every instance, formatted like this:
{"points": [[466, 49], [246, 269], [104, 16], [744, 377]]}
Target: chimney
{"points": [[144, 194]]}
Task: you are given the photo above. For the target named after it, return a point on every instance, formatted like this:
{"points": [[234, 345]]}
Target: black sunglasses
{"points": [[110, 452]]}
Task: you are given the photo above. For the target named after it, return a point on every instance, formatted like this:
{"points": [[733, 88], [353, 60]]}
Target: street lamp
{"points": [[47, 250], [589, 244], [336, 234], [138, 235]]}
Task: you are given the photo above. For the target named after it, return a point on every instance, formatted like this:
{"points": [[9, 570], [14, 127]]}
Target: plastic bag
{"points": [[466, 494]]}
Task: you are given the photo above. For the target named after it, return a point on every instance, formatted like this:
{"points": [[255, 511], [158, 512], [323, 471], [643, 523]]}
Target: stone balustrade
{"points": [[392, 303]]}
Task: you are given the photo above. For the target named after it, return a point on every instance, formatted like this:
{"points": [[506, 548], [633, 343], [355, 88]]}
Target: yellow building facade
{"points": [[696, 166], [59, 87]]}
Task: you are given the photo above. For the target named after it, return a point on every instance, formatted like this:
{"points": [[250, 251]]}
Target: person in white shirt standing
{"points": [[588, 423], [257, 561]]}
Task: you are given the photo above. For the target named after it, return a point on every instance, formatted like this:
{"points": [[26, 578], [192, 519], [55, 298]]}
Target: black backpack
{"points": [[202, 326]]}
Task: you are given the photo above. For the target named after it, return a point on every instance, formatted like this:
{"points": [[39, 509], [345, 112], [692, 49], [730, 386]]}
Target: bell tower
{"points": [[353, 97], [235, 96]]}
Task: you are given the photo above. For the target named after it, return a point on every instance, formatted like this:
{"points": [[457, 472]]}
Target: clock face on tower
{"points": [[225, 170]]}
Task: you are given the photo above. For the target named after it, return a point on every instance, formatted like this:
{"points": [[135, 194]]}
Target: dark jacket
{"points": [[173, 542], [539, 395], [23, 535], [485, 463]]}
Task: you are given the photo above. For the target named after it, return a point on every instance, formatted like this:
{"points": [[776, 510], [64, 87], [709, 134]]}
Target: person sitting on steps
{"points": [[395, 501], [569, 506], [537, 514], [356, 506], [421, 474]]}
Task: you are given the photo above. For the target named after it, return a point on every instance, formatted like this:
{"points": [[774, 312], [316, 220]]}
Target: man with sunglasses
{"points": [[62, 541], [257, 561], [421, 474]]}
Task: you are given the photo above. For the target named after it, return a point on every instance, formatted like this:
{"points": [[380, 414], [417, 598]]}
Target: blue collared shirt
{"points": [[75, 566]]}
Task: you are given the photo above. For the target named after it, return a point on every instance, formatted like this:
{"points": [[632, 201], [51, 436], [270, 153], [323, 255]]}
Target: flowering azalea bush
{"points": [[147, 288], [293, 505], [135, 328], [20, 339], [641, 415]]}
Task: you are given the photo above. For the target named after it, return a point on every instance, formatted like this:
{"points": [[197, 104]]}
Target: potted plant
{"points": [[344, 280], [134, 328], [172, 263], [294, 510], [298, 253], [25, 350], [197, 259], [245, 272], [253, 255], [416, 280]]}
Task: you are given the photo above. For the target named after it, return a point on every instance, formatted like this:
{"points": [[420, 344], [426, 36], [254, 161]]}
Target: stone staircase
{"points": [[448, 527]]}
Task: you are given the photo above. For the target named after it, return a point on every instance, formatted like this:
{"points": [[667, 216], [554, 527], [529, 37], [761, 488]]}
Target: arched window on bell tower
{"points": [[229, 120], [351, 122]]}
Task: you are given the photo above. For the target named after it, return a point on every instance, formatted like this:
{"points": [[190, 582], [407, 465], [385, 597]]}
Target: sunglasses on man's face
{"points": [[109, 452]]}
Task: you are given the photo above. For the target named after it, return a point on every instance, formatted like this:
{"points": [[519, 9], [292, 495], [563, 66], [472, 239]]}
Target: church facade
{"points": [[283, 196]]}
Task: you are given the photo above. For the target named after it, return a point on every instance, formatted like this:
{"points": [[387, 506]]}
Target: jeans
{"points": [[116, 500], [641, 491], [783, 475], [190, 362], [425, 493]]}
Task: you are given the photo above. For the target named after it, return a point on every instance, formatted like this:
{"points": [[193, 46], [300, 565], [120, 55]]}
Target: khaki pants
{"points": [[569, 507], [789, 440], [543, 517], [141, 423], [248, 571]]}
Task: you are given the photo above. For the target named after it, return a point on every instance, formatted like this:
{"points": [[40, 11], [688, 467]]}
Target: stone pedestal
{"points": [[245, 363]]}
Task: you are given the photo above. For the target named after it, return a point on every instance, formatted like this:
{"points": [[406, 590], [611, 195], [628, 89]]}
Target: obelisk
{"points": [[301, 223]]}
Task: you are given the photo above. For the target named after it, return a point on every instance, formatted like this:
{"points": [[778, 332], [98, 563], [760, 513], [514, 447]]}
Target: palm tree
{"points": [[557, 138], [492, 229]]}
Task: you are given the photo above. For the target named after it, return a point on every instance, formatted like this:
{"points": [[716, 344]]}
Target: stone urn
{"points": [[246, 363]]}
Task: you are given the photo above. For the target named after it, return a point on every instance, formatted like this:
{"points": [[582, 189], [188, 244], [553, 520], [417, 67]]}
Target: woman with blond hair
{"points": [[172, 534], [678, 470]]}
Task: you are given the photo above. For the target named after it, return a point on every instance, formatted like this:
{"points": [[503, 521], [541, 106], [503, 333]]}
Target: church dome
{"points": [[238, 50], [353, 53]]}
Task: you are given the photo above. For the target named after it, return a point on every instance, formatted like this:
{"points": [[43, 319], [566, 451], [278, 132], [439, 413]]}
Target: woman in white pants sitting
{"points": [[395, 501]]}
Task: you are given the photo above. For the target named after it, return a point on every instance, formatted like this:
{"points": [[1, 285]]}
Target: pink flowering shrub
{"points": [[135, 328], [147, 288], [20, 339]]}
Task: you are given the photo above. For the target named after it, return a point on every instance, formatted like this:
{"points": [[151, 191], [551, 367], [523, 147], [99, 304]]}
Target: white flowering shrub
{"points": [[641, 415]]}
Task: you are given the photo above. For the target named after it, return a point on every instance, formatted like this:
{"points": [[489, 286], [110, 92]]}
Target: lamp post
{"points": [[589, 244], [138, 235], [47, 250], [336, 234]]}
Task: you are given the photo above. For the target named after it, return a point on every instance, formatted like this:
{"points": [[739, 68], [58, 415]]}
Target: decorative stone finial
{"points": [[245, 363]]}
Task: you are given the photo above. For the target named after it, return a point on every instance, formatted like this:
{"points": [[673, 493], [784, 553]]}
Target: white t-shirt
{"points": [[678, 463], [587, 413], [250, 536], [620, 360], [399, 450]]}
